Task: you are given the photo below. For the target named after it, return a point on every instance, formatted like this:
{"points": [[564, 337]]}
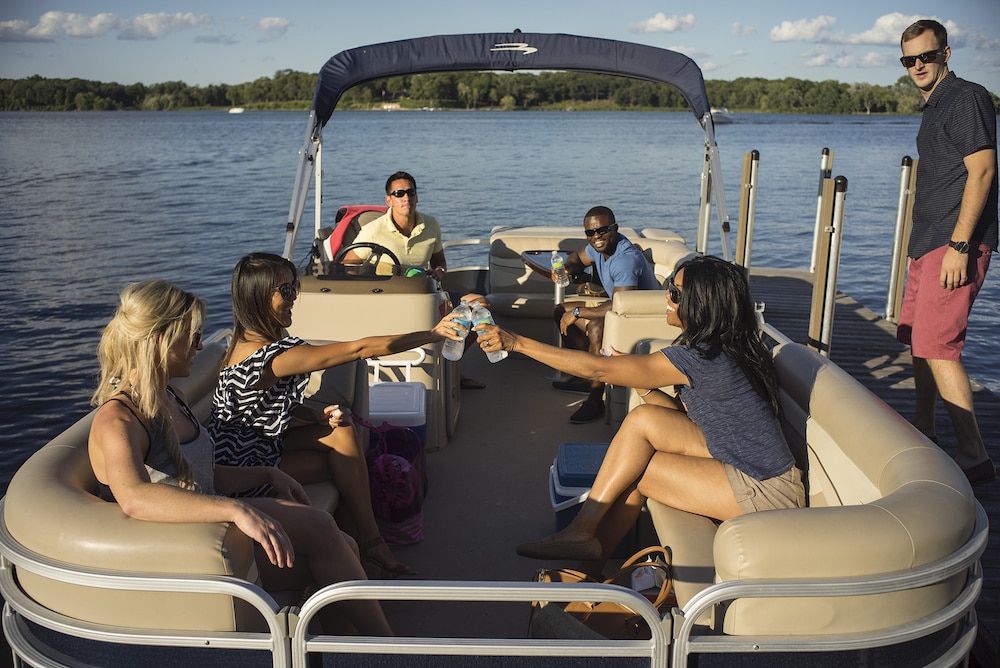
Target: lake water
{"points": [[92, 201]]}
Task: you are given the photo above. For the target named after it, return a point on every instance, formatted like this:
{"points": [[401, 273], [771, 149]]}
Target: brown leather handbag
{"points": [[613, 620]]}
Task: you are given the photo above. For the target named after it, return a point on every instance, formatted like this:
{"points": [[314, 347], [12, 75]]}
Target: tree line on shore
{"points": [[288, 89]]}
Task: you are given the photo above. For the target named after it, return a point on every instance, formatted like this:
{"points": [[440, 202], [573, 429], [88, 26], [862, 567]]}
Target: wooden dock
{"points": [[864, 345]]}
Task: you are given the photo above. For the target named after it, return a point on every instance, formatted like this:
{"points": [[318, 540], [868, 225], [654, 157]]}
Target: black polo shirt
{"points": [[958, 120]]}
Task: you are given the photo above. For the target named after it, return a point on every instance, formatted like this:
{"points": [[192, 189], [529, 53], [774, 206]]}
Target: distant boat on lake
{"points": [[240, 110], [720, 115]]}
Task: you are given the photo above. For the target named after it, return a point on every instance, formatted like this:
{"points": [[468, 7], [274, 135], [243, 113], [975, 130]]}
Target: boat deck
{"points": [[491, 478], [864, 345]]}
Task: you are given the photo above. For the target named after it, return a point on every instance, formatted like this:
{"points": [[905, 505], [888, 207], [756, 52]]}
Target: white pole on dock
{"points": [[830, 295], [897, 270], [825, 170], [748, 205]]}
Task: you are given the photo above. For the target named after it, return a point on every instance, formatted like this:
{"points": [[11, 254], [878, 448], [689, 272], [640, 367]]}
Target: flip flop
{"points": [[472, 384]]}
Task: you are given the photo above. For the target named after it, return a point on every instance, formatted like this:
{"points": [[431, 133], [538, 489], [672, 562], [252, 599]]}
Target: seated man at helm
{"points": [[414, 238], [619, 266]]}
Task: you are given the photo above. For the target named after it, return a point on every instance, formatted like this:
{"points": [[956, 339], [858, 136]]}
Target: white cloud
{"points": [[217, 39], [57, 25], [873, 60], [802, 30], [889, 27], [272, 28], [154, 26], [741, 30], [662, 23], [53, 25], [16, 31], [819, 60]]}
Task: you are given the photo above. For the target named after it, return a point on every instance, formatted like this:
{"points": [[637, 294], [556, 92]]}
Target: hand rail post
{"points": [[904, 213]]}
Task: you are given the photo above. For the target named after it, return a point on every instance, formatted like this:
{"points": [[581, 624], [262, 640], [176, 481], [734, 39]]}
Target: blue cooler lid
{"points": [[577, 463]]}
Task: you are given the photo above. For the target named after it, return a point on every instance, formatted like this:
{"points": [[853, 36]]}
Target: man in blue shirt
{"points": [[619, 266], [953, 237]]}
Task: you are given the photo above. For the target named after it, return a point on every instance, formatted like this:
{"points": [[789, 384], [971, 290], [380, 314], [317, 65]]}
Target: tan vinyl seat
{"points": [[867, 467], [635, 315], [52, 507], [353, 308]]}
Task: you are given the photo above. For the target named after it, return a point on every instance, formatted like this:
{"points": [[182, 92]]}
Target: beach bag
{"points": [[650, 566], [396, 474]]}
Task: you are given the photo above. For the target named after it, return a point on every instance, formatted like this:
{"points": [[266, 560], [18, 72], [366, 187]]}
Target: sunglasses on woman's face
{"points": [[673, 292], [288, 290]]}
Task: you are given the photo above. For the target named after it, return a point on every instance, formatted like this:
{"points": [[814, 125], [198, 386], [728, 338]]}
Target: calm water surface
{"points": [[92, 201]]}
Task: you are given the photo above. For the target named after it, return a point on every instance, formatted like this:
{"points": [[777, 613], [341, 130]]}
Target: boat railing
{"points": [[304, 643], [13, 556], [961, 609]]}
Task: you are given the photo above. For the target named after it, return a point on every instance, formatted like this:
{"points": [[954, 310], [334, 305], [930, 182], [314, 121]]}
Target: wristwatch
{"points": [[961, 246], [576, 311]]}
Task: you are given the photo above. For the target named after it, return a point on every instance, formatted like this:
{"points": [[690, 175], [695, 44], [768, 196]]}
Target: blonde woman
{"points": [[155, 460]]}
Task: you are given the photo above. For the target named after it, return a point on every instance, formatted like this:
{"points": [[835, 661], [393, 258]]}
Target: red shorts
{"points": [[933, 321]]}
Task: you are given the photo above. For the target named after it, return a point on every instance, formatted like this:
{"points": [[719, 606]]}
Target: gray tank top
{"points": [[200, 453]]}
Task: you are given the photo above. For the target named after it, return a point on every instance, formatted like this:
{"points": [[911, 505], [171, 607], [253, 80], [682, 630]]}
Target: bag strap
{"points": [[640, 560]]}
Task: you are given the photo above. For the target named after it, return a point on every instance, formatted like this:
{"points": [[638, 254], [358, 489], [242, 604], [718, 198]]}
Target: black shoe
{"points": [[981, 472], [573, 386], [588, 412]]}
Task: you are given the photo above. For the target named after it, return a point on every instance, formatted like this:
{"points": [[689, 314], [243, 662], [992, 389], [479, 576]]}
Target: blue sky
{"points": [[221, 41]]}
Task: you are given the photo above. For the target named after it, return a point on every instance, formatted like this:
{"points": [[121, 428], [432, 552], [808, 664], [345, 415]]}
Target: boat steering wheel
{"points": [[370, 263]]}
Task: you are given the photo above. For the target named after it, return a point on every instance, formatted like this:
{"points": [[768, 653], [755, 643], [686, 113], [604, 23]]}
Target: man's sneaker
{"points": [[572, 386], [588, 412]]}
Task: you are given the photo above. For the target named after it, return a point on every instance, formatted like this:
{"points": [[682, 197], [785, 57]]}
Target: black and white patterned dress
{"points": [[247, 424]]}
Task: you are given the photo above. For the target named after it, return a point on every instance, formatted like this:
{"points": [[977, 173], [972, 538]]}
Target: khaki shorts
{"points": [[781, 491]]}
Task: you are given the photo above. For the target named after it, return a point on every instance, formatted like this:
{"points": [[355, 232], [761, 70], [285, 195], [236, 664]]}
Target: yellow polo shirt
{"points": [[412, 251]]}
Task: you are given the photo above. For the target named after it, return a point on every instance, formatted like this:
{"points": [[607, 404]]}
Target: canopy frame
{"points": [[500, 52]]}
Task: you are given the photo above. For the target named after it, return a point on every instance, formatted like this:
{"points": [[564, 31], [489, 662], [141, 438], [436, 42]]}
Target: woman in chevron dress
{"points": [[258, 418]]}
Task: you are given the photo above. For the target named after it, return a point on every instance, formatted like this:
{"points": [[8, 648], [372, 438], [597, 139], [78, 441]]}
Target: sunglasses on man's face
{"points": [[288, 290], [412, 192], [926, 58], [600, 230]]}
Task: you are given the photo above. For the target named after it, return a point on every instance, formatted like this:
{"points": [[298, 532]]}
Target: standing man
{"points": [[619, 266], [954, 235]]}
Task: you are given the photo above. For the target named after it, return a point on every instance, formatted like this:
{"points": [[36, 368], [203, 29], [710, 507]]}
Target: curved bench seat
{"points": [[884, 502]]}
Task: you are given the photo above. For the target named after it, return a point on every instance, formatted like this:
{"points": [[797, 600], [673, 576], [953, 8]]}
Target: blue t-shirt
{"points": [[739, 427], [625, 267]]}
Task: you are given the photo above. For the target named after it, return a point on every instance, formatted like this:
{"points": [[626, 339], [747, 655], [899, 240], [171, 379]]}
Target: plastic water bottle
{"points": [[452, 350], [559, 269], [481, 314]]}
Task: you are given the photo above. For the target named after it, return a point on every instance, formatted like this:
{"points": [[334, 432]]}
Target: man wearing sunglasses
{"points": [[953, 236], [619, 266], [412, 237], [415, 239]]}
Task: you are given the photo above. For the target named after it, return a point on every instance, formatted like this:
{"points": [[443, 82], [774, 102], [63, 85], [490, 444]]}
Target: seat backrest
{"points": [[883, 497], [665, 255], [52, 508], [350, 220], [635, 315], [353, 309]]}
